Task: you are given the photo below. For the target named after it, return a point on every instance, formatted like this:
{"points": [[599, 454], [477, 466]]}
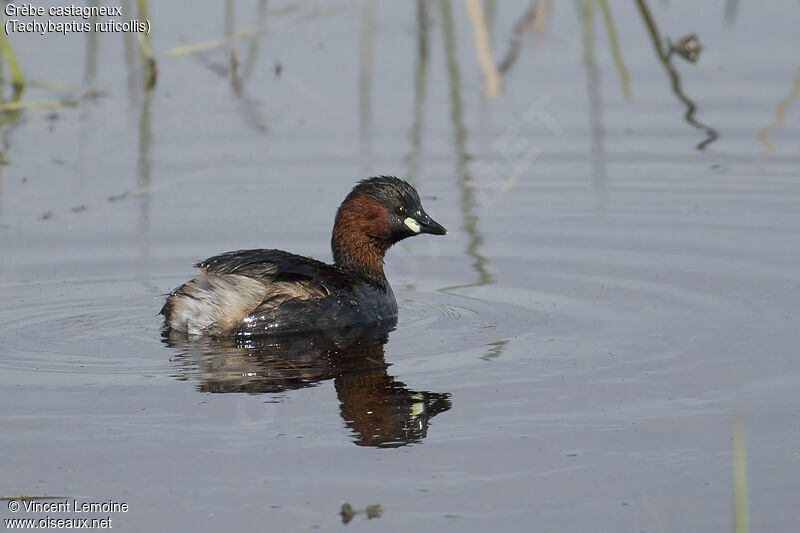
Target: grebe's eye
{"points": [[401, 211]]}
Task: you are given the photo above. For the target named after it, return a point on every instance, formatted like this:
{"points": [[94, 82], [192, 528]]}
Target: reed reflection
{"points": [[468, 203], [587, 10], [366, 43], [7, 119], [665, 55], [380, 410], [780, 114], [420, 82]]}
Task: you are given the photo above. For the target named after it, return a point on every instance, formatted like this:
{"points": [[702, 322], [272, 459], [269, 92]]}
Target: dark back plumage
{"points": [[273, 292]]}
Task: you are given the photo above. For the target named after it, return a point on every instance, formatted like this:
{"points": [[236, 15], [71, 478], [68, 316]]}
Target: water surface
{"points": [[620, 279]]}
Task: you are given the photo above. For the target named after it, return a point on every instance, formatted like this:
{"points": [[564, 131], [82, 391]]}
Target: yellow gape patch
{"points": [[412, 224]]}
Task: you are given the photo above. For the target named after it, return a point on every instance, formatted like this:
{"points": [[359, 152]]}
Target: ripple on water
{"points": [[109, 326], [84, 327], [443, 331]]}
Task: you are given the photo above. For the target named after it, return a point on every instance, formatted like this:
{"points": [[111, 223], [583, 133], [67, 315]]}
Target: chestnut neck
{"points": [[361, 236]]}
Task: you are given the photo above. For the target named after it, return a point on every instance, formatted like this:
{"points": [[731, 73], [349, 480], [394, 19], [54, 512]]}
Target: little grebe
{"points": [[257, 292]]}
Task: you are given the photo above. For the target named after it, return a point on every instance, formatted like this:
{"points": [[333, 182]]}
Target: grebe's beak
{"points": [[422, 223]]}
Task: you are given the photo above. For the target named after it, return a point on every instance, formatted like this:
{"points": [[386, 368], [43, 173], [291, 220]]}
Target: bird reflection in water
{"points": [[378, 409]]}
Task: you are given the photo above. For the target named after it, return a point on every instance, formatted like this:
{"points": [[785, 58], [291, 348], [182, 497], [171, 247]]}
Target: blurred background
{"points": [[619, 284]]}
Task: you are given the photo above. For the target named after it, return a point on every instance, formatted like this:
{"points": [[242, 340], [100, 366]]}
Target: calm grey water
{"points": [[570, 357]]}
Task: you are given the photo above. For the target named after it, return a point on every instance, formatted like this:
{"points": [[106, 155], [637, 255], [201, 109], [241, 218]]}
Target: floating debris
{"points": [[347, 512], [687, 47], [117, 197]]}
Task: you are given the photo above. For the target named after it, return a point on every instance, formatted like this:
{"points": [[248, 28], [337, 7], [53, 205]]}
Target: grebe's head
{"points": [[377, 213]]}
